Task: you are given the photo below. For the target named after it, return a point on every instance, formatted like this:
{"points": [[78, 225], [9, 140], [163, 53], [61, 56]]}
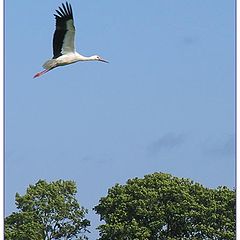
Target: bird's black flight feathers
{"points": [[64, 14]]}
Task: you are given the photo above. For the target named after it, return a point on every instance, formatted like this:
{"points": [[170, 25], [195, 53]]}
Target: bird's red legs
{"points": [[40, 73]]}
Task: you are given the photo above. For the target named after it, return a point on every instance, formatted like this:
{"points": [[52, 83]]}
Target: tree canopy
{"points": [[161, 206], [47, 211]]}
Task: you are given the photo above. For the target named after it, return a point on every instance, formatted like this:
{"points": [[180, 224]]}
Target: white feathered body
{"points": [[66, 59]]}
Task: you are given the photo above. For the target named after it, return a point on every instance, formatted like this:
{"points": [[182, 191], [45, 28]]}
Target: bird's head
{"points": [[98, 58]]}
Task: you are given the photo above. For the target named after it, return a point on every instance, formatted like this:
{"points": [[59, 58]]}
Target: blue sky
{"points": [[164, 103]]}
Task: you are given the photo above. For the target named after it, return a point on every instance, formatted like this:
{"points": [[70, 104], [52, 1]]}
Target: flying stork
{"points": [[63, 42]]}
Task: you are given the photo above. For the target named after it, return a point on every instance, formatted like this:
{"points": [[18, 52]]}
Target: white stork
{"points": [[63, 42]]}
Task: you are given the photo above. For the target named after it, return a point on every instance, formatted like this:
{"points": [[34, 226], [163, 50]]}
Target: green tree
{"points": [[161, 206], [47, 211]]}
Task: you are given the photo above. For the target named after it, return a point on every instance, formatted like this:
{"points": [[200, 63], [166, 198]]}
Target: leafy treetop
{"points": [[47, 211], [161, 206]]}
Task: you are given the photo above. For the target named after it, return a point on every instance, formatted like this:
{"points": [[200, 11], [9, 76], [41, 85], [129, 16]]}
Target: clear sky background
{"points": [[164, 103]]}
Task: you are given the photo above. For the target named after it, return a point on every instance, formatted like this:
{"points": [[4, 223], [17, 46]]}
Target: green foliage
{"points": [[161, 206], [47, 211]]}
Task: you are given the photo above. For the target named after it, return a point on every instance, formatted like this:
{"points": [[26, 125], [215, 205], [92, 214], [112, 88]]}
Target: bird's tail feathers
{"points": [[50, 64]]}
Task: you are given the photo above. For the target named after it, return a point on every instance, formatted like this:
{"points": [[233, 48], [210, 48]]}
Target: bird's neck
{"points": [[85, 58]]}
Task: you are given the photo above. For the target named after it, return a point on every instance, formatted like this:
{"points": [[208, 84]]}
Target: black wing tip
{"points": [[65, 11]]}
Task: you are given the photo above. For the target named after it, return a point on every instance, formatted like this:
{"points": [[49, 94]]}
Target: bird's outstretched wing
{"points": [[63, 38]]}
